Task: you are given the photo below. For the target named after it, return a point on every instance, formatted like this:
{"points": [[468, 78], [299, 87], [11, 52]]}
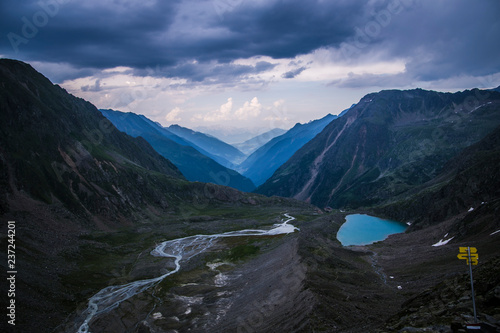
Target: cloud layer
{"points": [[167, 57], [198, 39]]}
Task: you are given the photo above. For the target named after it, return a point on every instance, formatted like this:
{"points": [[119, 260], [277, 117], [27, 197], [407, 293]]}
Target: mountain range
{"points": [[194, 165], [385, 146], [202, 157]]}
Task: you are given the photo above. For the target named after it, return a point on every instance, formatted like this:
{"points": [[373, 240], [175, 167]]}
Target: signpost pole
{"points": [[472, 285]]}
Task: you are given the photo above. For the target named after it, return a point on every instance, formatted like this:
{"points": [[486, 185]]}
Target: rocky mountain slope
{"points": [[58, 148], [194, 165], [262, 163], [386, 145]]}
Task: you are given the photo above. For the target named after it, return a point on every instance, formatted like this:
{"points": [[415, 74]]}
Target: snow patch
{"points": [[470, 209], [157, 316], [496, 232], [480, 106], [443, 242]]}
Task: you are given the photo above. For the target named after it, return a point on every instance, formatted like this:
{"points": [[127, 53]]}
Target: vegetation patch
{"points": [[242, 251]]}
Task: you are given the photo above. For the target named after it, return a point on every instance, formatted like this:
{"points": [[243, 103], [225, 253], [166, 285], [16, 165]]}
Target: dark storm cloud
{"points": [[285, 29], [437, 39], [294, 73], [86, 34], [449, 39], [199, 72], [99, 35]]}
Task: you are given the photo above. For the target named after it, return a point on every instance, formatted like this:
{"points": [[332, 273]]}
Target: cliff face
{"points": [[385, 146]]}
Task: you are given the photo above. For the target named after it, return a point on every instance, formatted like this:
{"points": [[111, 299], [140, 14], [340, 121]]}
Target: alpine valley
{"points": [[123, 225]]}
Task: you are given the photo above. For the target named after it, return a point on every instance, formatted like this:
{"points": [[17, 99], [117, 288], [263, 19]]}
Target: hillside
{"points": [[193, 164], [468, 182], [386, 145], [65, 171], [262, 163]]}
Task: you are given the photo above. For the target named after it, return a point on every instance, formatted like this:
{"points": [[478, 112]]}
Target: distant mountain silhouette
{"points": [[221, 152], [194, 165], [262, 163], [251, 145]]}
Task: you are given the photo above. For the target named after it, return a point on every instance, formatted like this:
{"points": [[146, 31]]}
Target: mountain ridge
{"points": [[468, 182], [223, 153], [84, 139]]}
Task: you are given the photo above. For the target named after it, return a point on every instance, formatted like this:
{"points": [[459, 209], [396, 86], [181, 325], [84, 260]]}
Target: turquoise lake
{"points": [[361, 229]]}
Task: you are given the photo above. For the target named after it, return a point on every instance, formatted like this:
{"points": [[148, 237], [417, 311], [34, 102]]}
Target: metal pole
{"points": [[472, 286]]}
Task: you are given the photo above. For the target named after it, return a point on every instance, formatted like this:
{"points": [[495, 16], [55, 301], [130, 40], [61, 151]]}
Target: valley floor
{"points": [[300, 282]]}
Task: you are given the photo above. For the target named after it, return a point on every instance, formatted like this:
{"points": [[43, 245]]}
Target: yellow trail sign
{"points": [[464, 255], [470, 255]]}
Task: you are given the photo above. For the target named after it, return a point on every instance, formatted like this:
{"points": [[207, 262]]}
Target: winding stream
{"points": [[180, 249]]}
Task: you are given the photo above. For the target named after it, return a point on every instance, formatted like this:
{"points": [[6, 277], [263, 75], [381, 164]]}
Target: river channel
{"points": [[179, 250]]}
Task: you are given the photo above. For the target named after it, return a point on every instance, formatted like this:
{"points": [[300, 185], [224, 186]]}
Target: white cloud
{"points": [[173, 115], [118, 69], [278, 115], [222, 113], [250, 109]]}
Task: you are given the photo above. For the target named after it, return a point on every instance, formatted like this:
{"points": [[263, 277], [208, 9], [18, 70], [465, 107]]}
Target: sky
{"points": [[251, 64]]}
